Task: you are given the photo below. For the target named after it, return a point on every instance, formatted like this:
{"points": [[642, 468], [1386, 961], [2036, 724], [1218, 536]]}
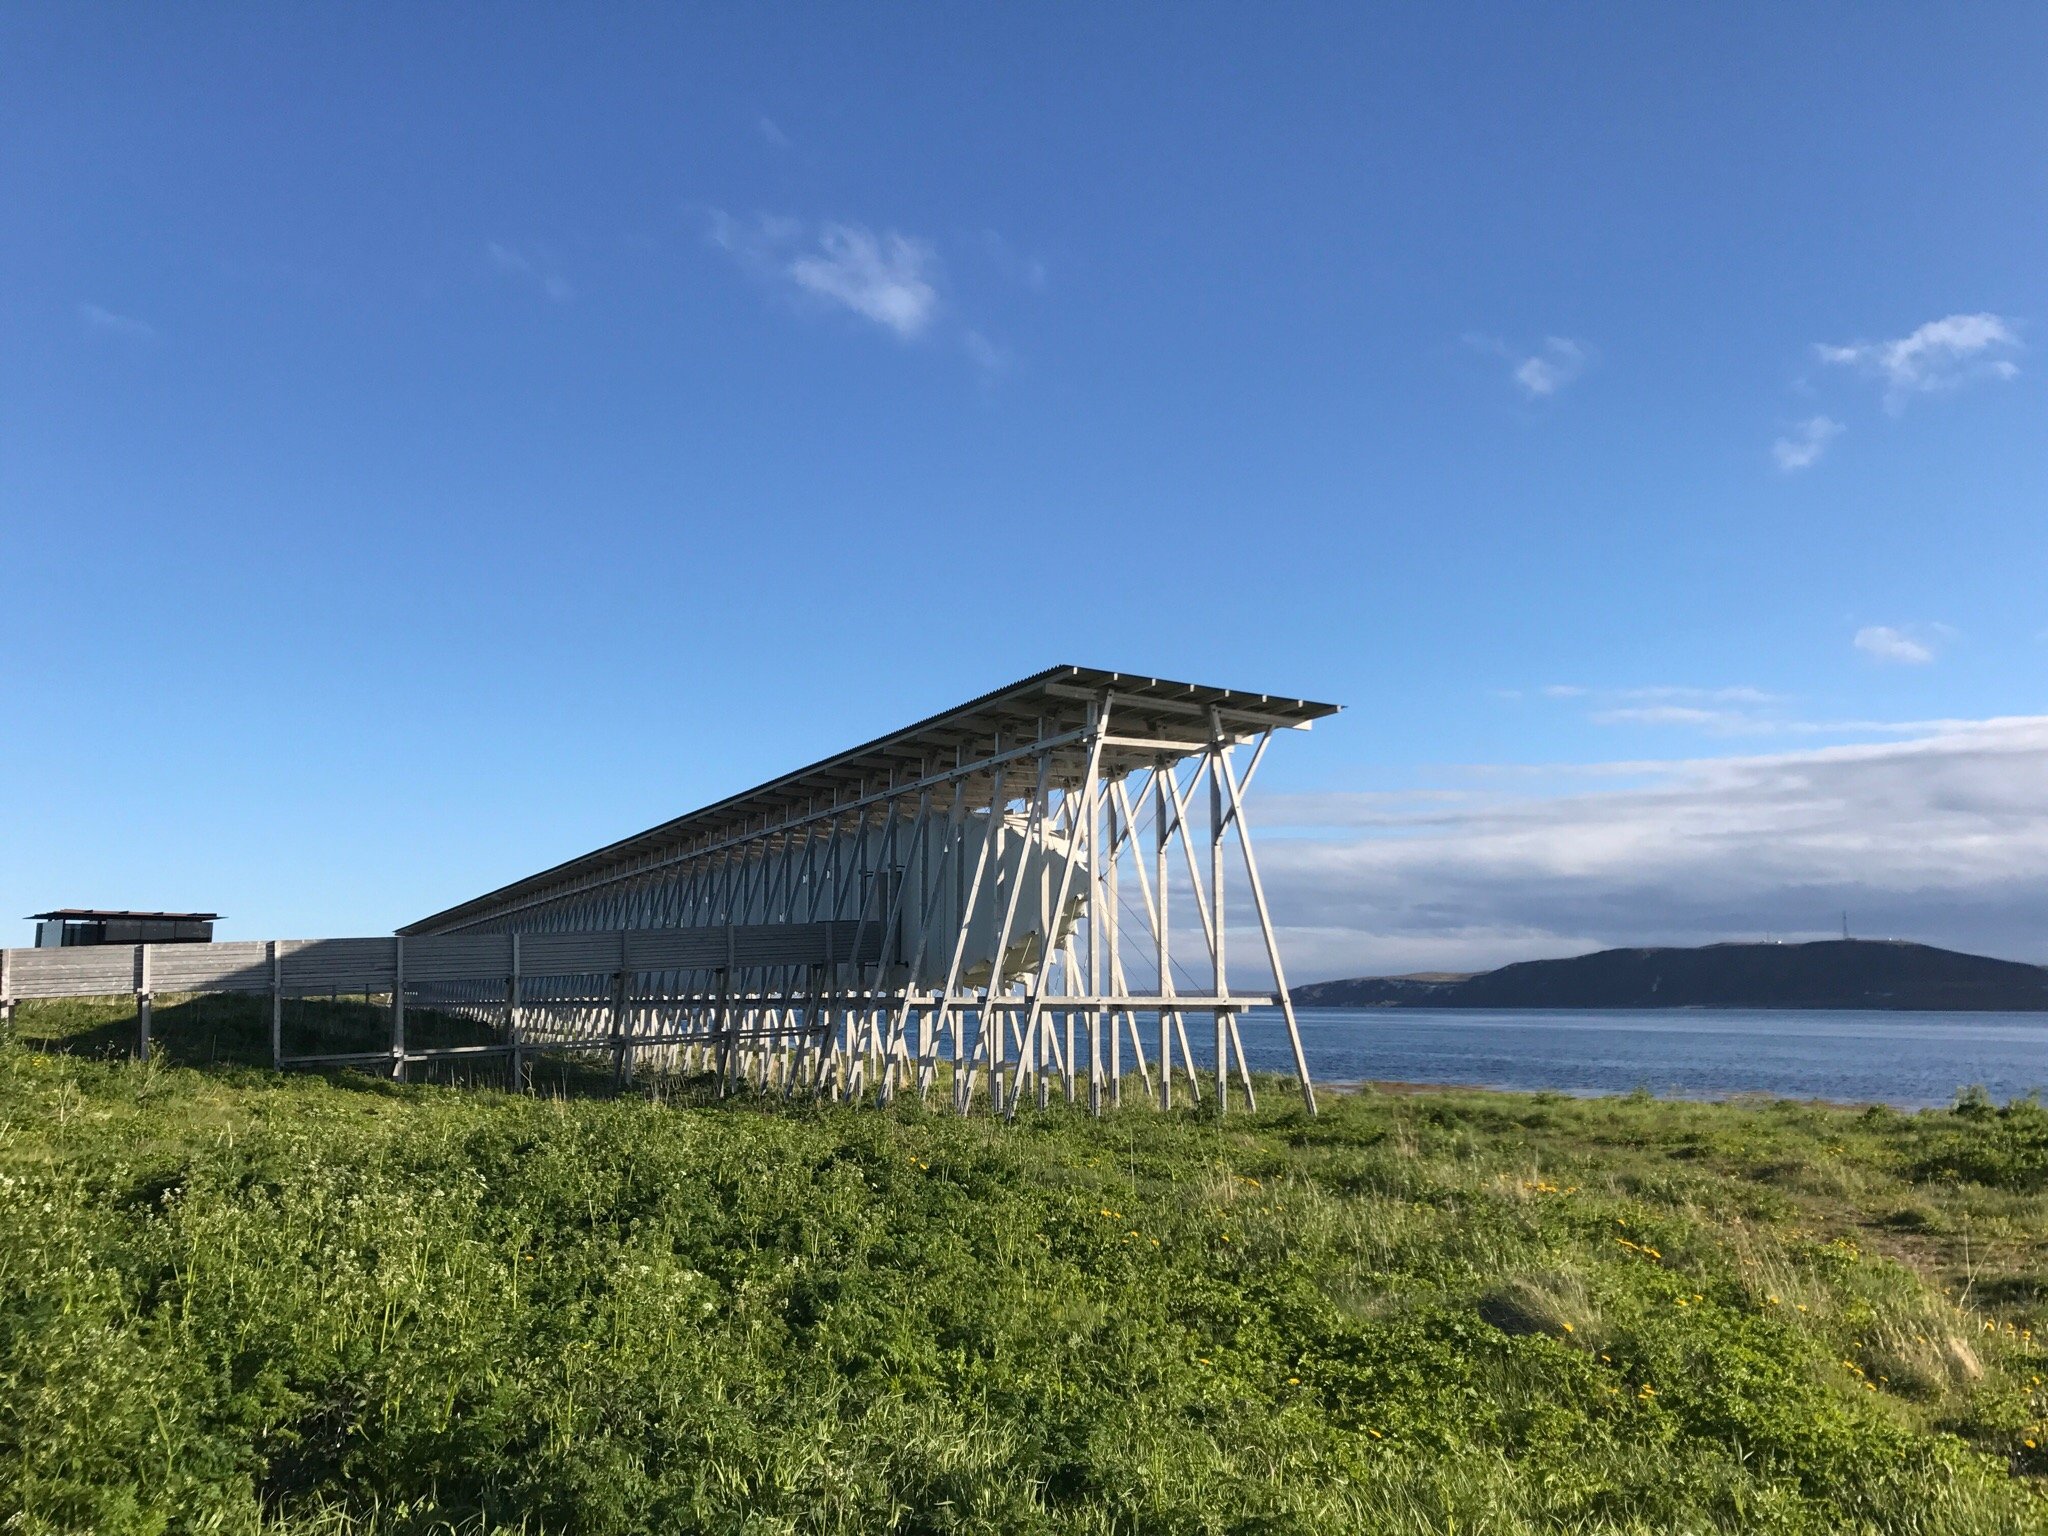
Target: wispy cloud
{"points": [[1542, 373], [1735, 711], [1942, 836], [535, 269], [771, 131], [1941, 354], [104, 322], [1804, 446], [886, 278], [889, 279], [1914, 645]]}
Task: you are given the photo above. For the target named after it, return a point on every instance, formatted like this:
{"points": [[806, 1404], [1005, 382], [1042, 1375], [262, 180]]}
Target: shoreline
{"points": [[1407, 1088]]}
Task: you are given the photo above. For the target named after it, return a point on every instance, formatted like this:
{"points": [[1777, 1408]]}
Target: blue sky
{"points": [[432, 444]]}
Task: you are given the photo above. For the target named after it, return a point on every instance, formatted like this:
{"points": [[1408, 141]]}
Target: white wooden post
{"points": [[512, 1021], [1096, 929], [398, 1007], [1160, 935], [728, 1029], [142, 1001], [276, 1008], [622, 1066], [1215, 762], [1004, 1084], [1251, 870], [963, 1083]]}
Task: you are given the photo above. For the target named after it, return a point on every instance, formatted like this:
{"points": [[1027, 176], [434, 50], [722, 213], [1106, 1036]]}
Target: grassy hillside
{"points": [[230, 1302]]}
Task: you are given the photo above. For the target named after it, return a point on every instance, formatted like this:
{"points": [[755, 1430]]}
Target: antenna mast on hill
{"points": [[1845, 925]]}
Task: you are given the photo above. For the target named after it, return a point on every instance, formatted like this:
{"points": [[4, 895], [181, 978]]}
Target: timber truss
{"points": [[1030, 894]]}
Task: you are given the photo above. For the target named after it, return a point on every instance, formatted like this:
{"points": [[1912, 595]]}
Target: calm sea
{"points": [[1908, 1059]]}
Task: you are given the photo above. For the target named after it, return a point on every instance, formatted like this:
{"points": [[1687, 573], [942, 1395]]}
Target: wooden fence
{"points": [[480, 975]]}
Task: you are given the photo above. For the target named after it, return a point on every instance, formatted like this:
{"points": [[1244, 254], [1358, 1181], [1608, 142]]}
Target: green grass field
{"points": [[232, 1302]]}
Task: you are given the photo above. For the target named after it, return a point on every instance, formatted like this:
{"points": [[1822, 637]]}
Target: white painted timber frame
{"points": [[911, 836]]}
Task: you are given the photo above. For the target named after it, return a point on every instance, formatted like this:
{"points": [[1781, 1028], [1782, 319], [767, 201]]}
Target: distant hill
{"points": [[1833, 973]]}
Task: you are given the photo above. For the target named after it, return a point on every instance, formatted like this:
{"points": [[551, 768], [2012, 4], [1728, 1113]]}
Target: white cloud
{"points": [[534, 269], [1942, 837], [885, 278], [1939, 355], [104, 322], [770, 130], [890, 279], [1544, 373], [1914, 645], [1888, 644], [1804, 447]]}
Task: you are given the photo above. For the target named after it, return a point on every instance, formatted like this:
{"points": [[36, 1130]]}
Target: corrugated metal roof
{"points": [[1151, 718]]}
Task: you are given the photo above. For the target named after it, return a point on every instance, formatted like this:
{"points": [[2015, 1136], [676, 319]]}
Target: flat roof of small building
{"points": [[97, 914]]}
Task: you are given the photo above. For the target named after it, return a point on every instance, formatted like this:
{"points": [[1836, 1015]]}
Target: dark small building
{"points": [[68, 926]]}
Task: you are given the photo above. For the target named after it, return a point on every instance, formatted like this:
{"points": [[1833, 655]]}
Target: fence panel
{"points": [[100, 970], [670, 949], [338, 965], [459, 957], [239, 967], [570, 954]]}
